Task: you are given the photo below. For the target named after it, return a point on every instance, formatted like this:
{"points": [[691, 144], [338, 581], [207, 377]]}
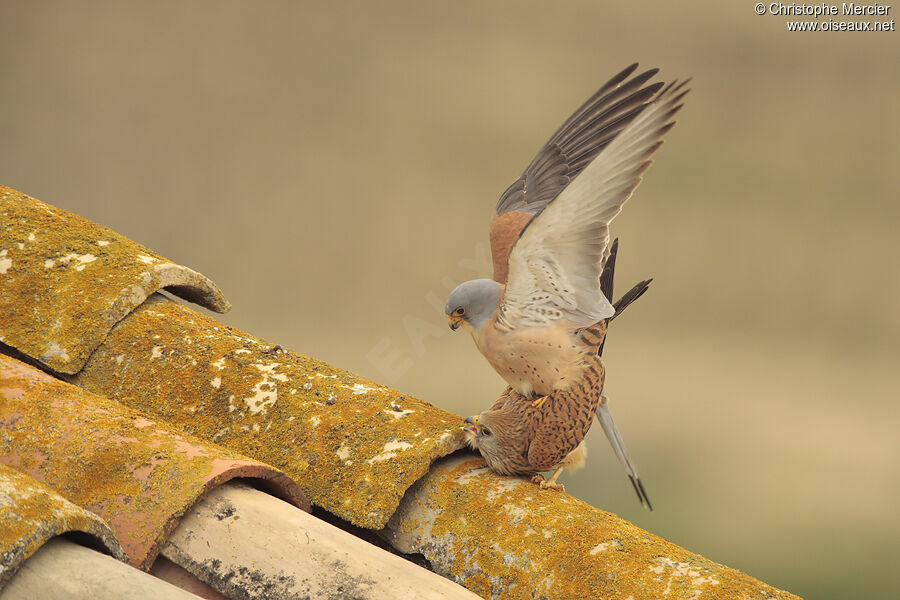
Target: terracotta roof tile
{"points": [[67, 281], [31, 514], [137, 474], [354, 446]]}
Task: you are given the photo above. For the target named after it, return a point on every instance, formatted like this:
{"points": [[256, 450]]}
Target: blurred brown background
{"points": [[333, 168]]}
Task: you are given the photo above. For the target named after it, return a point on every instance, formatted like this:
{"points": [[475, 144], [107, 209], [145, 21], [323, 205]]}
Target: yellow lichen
{"points": [[62, 290], [107, 458], [503, 537], [353, 446], [31, 514]]}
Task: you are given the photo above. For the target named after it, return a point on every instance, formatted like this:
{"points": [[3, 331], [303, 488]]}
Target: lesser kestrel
{"points": [[541, 321]]}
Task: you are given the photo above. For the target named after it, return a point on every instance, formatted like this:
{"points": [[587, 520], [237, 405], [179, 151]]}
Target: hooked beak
{"points": [[455, 322], [473, 421]]}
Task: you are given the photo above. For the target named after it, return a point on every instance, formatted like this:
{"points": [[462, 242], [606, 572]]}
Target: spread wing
{"points": [[574, 145], [555, 265]]}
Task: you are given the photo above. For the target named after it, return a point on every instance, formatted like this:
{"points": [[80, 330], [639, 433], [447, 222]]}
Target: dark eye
{"points": [[486, 431], [459, 311]]}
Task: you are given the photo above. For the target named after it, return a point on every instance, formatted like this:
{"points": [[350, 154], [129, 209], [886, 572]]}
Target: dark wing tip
{"points": [[579, 139]]}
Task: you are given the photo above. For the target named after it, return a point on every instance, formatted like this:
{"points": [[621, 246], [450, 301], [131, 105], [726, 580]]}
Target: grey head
{"points": [[472, 302]]}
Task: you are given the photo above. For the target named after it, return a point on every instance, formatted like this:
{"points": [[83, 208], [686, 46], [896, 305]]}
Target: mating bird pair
{"points": [[541, 321]]}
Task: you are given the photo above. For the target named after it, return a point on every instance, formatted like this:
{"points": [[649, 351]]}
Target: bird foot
{"points": [[544, 484], [552, 485], [539, 402]]}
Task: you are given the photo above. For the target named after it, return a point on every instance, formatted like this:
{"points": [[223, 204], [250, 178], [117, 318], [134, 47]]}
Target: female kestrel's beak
{"points": [[473, 421], [455, 322]]}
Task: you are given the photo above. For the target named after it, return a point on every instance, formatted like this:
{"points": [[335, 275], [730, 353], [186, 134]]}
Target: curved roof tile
{"points": [[31, 514], [353, 445], [135, 473], [65, 281], [504, 537]]}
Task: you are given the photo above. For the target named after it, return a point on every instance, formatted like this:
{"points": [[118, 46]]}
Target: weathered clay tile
{"points": [[353, 445], [503, 537], [138, 475], [65, 281], [31, 514]]}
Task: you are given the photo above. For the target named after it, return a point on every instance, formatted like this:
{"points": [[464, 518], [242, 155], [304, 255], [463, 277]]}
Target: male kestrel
{"points": [[541, 321]]}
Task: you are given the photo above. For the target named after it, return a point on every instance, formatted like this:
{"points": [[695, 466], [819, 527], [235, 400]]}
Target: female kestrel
{"points": [[541, 320]]}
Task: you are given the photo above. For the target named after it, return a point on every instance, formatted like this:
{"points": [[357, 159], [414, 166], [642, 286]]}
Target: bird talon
{"points": [[552, 485], [539, 402], [537, 478]]}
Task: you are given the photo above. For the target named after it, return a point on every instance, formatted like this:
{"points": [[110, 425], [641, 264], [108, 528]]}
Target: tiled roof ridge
{"points": [[373, 456]]}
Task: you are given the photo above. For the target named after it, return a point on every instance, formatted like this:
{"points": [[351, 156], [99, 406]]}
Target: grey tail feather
{"points": [[615, 440], [630, 296]]}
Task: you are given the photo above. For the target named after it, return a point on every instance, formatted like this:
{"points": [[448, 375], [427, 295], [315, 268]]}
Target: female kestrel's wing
{"points": [[565, 155], [555, 265]]}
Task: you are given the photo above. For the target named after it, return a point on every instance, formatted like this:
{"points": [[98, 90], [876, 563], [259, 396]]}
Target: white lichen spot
{"points": [[20, 245], [256, 427], [343, 452], [516, 512], [219, 364], [472, 474], [156, 352], [102, 243], [5, 263], [397, 413], [314, 421], [389, 451], [242, 351], [679, 569], [265, 393], [501, 487], [326, 376], [54, 351], [83, 260], [31, 237], [48, 263], [119, 358], [231, 405], [358, 388], [147, 260], [216, 382], [601, 547], [307, 386]]}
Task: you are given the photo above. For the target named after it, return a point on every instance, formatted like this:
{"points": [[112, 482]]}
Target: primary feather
{"points": [[555, 265]]}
